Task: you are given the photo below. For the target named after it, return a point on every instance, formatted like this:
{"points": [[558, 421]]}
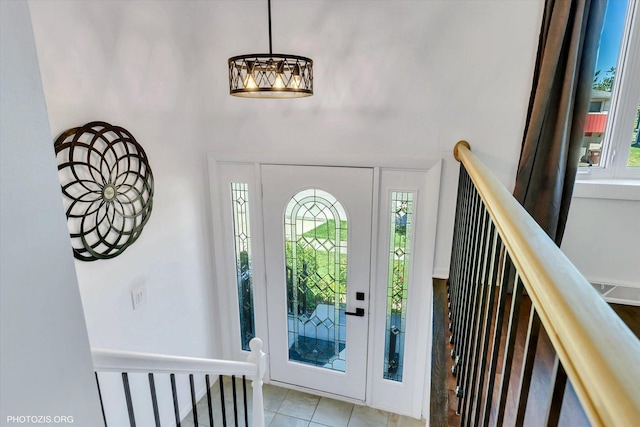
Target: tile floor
{"points": [[292, 408]]}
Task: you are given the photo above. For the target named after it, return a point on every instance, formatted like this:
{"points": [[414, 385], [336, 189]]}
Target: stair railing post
{"points": [[258, 358]]}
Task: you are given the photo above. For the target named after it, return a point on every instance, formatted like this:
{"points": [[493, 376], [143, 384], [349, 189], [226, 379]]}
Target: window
{"points": [[316, 270], [242, 240], [611, 146], [595, 106], [398, 283]]}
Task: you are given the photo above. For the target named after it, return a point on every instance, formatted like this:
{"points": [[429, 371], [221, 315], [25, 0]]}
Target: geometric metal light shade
{"points": [[269, 75]]}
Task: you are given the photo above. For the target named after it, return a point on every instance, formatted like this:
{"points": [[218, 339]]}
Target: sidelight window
{"points": [[242, 240], [400, 246]]}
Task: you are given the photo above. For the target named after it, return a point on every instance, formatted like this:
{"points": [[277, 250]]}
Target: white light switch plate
{"points": [[139, 296]]}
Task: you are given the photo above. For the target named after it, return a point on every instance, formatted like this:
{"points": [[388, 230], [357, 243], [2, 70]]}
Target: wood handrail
{"points": [[599, 353]]}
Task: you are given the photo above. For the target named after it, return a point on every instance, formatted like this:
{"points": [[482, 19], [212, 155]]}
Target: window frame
{"points": [[625, 97]]}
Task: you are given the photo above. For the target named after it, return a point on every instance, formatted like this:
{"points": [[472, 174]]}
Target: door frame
{"points": [[226, 295], [287, 181]]}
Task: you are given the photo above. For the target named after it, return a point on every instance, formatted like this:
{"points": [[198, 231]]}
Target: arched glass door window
{"points": [[316, 271]]}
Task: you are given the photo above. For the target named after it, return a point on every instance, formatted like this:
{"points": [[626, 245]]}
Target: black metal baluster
{"points": [[154, 400], [533, 332], [456, 236], [462, 298], [458, 310], [127, 395], [224, 408], [509, 346], [505, 274], [474, 279], [235, 401], [104, 417], [493, 280], [244, 395], [559, 382], [464, 241], [462, 332], [193, 401], [471, 333], [209, 400], [174, 392], [462, 251], [483, 283], [454, 282], [454, 240]]}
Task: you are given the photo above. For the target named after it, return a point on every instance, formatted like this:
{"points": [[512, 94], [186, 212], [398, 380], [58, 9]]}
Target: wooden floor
{"points": [[630, 315], [443, 382]]}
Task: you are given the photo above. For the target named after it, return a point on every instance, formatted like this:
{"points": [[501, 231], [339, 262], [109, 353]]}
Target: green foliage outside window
{"points": [[604, 82], [316, 281]]}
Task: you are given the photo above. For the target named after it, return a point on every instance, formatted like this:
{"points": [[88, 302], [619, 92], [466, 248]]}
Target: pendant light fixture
{"points": [[270, 75]]}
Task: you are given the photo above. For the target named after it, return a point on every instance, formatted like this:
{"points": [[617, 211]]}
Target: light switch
{"points": [[139, 296]]}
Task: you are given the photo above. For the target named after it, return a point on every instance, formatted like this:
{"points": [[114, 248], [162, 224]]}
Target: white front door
{"points": [[317, 239]]}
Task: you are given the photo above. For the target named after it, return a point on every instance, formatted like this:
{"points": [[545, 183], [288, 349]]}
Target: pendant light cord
{"points": [[269, 5]]}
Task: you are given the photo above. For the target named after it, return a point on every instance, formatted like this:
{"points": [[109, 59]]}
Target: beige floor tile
{"points": [[203, 418], [268, 417], [332, 412], [281, 420], [358, 422], [396, 420], [411, 422], [298, 404], [273, 396], [293, 408], [393, 420], [364, 416]]}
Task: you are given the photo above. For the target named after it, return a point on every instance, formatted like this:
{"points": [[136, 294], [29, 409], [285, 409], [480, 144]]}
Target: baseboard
{"points": [[441, 274], [618, 294]]}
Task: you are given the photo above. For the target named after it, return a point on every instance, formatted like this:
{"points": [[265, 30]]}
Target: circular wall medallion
{"points": [[107, 185]]}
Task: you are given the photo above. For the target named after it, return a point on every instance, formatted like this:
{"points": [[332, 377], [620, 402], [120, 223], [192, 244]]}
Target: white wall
{"points": [[392, 79], [602, 236], [115, 62], [46, 367]]}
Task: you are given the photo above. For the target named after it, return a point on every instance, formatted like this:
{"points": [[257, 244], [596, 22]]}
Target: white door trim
{"points": [[409, 396], [227, 302]]}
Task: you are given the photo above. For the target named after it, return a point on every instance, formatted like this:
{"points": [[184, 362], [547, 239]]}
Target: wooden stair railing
{"points": [[500, 252]]}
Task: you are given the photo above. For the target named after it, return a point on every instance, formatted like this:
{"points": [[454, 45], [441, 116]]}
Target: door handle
{"points": [[359, 312]]}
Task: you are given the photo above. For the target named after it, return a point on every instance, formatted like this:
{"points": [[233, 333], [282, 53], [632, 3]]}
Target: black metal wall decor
{"points": [[107, 185]]}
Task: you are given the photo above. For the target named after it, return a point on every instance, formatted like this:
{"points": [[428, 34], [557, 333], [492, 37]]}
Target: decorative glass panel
{"points": [[316, 270], [241, 232], [398, 283]]}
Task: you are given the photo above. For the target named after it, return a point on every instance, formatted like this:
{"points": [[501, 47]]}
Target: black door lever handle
{"points": [[359, 312]]}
